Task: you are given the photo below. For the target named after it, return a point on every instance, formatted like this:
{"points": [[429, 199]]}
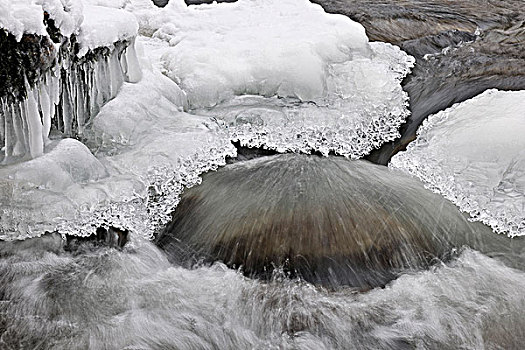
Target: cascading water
{"points": [[331, 221], [111, 241]]}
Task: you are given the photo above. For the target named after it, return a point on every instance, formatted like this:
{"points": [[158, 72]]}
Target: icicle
{"points": [[2, 124], [67, 97], [45, 107], [67, 105], [132, 69], [81, 109], [115, 72], [104, 91], [34, 124], [9, 139]]}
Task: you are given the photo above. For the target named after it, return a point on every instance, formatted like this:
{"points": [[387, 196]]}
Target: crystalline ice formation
{"points": [[147, 151], [473, 154], [68, 94], [312, 74], [355, 117], [66, 101], [343, 93]]}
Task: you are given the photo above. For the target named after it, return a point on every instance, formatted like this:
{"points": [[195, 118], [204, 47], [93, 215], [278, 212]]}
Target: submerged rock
{"points": [[331, 221]]}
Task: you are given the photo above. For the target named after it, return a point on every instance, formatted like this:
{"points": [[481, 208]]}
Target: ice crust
{"points": [[274, 74], [326, 88], [361, 111], [146, 151], [473, 154]]}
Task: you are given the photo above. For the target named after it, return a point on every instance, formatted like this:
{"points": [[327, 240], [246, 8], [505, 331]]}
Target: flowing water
{"points": [[444, 293], [445, 283], [102, 298], [461, 48], [330, 220]]}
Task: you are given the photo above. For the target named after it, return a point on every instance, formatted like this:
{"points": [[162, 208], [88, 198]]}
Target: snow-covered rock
{"points": [[96, 22], [104, 26], [326, 87], [474, 154]]}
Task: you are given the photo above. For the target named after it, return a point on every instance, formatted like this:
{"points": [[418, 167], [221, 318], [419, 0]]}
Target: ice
{"points": [[473, 154], [146, 149], [40, 191], [325, 87], [77, 95], [24, 132], [300, 72]]}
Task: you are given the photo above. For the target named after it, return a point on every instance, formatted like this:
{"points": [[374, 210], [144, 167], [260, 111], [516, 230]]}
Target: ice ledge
{"points": [[473, 154]]}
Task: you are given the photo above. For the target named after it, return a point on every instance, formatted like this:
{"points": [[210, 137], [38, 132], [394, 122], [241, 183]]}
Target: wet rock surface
{"points": [[25, 60], [331, 221]]}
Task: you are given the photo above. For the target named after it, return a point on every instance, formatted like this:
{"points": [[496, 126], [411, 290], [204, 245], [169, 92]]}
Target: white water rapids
{"points": [[280, 76]]}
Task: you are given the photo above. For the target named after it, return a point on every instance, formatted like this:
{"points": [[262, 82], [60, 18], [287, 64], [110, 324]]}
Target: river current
{"points": [[87, 294]]}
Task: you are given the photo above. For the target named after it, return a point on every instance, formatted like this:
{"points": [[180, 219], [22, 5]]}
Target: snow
{"points": [[27, 16], [67, 14], [263, 48], [473, 154], [104, 26], [97, 22], [326, 88], [21, 16]]}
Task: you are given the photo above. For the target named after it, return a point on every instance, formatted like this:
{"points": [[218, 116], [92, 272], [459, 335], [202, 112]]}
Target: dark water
{"points": [[471, 46]]}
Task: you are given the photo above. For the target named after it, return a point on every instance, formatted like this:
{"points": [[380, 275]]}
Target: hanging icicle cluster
{"points": [[63, 96]]}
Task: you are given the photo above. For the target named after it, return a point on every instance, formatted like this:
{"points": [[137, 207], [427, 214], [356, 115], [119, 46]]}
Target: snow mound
{"points": [[20, 17], [474, 154], [104, 26], [96, 22], [339, 92], [262, 48]]}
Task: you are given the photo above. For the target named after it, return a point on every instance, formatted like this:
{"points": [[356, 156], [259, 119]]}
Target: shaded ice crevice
{"points": [[473, 154], [93, 54], [64, 99]]}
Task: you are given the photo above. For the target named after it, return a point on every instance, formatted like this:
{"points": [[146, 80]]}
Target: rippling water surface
{"points": [[135, 299], [91, 296]]}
